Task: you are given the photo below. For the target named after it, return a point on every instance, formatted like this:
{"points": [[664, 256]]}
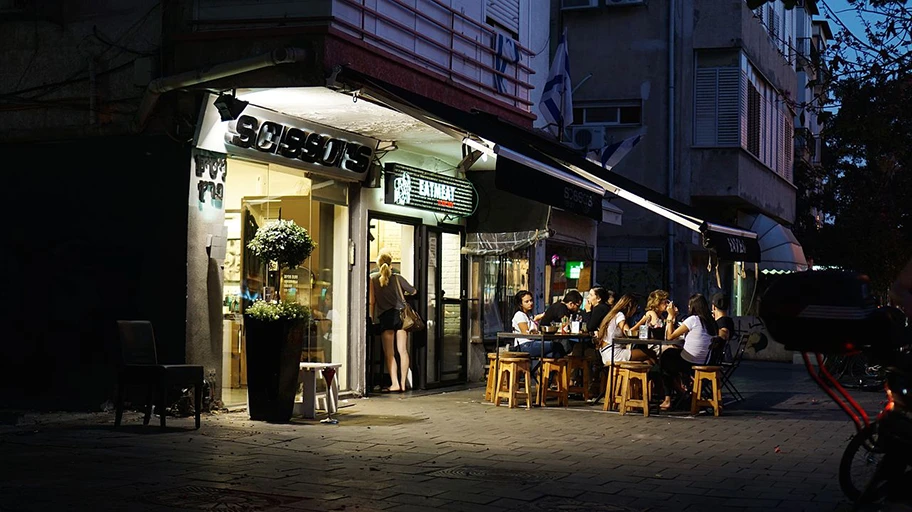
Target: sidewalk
{"points": [[449, 451]]}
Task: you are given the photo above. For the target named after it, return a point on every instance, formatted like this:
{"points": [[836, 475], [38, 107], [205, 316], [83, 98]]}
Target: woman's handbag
{"points": [[411, 321]]}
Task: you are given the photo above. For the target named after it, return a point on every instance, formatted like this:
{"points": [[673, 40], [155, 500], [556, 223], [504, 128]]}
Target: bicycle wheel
{"points": [[835, 364], [859, 464]]}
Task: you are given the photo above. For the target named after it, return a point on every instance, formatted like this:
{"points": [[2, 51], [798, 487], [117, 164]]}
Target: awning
{"points": [[779, 249], [495, 244], [526, 153]]}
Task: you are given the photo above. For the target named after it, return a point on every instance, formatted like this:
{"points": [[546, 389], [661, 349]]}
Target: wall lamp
{"points": [[229, 107]]}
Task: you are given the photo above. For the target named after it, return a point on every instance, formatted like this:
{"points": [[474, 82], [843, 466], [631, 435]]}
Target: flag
{"points": [[556, 103], [505, 52], [610, 155]]}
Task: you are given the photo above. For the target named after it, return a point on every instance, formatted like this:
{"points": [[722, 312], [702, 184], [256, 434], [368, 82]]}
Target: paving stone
{"points": [[451, 451]]}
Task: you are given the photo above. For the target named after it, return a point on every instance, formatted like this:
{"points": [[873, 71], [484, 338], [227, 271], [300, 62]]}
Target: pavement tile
{"points": [[457, 454]]}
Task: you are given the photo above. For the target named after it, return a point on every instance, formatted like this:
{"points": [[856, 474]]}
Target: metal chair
{"points": [[730, 362], [139, 365]]}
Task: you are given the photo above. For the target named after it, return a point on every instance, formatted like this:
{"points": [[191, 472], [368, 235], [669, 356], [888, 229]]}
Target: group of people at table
{"points": [[607, 319]]}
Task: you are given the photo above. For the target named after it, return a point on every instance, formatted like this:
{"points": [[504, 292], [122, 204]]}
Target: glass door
{"points": [[446, 307]]}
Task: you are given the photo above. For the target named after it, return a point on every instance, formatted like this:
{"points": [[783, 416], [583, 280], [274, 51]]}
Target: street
{"points": [[447, 450]]}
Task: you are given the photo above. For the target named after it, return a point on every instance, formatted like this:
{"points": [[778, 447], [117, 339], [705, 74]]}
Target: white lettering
{"points": [[435, 190]]}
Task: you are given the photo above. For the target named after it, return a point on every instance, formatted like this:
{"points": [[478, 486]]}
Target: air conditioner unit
{"points": [[588, 137], [613, 3], [567, 5]]}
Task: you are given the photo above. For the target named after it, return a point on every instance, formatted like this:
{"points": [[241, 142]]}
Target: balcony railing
{"points": [[448, 42], [457, 46]]}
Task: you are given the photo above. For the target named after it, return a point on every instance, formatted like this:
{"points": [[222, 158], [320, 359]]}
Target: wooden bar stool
{"points": [[508, 380], [575, 363], [492, 377], [551, 365], [712, 374], [612, 389], [633, 395]]}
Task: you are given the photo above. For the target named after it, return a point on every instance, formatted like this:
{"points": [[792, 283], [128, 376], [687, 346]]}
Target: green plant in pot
{"points": [[275, 330]]}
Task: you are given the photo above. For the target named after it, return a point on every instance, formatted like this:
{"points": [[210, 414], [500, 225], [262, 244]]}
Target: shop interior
{"points": [[257, 194]]}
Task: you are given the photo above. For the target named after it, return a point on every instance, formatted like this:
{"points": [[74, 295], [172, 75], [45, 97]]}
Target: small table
{"points": [[309, 398]]}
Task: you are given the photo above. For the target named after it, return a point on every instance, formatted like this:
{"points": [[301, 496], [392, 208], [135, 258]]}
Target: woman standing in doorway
{"points": [[386, 296]]}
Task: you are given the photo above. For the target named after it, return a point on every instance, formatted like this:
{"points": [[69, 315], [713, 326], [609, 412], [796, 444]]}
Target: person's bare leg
{"points": [[389, 352], [404, 362]]}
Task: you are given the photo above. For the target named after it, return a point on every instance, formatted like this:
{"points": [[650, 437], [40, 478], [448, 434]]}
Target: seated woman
{"points": [[656, 305], [523, 323], [614, 324], [698, 330]]}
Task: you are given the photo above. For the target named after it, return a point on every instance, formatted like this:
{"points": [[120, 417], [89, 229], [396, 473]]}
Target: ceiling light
{"points": [[229, 107]]}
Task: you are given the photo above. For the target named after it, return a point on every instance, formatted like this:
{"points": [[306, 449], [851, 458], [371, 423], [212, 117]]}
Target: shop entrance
{"points": [[445, 350], [430, 259]]}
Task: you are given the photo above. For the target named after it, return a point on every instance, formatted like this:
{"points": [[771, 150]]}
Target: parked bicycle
{"points": [[855, 371], [834, 313]]}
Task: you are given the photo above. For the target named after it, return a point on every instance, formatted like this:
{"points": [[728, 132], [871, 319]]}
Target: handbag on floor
{"points": [[411, 320]]}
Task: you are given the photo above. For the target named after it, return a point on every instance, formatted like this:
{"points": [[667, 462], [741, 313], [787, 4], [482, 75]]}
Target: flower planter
{"points": [[273, 357]]}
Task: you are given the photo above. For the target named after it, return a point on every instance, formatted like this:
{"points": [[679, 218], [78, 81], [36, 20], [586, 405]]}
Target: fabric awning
{"points": [[540, 157], [779, 249], [495, 244]]}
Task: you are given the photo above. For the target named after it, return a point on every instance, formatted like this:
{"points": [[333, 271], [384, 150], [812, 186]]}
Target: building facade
{"points": [[193, 119], [718, 92]]}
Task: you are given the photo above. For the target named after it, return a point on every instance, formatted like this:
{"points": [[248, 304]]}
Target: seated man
{"points": [[569, 306]]}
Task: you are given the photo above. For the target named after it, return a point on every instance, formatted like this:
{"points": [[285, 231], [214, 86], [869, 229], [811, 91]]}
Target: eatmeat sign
{"points": [[417, 188], [266, 135]]}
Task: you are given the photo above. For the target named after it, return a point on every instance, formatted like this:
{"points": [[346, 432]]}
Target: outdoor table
{"points": [[635, 341], [309, 398], [542, 337]]}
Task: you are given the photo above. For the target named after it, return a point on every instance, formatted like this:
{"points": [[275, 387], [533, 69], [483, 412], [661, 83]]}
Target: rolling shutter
{"points": [[505, 13]]}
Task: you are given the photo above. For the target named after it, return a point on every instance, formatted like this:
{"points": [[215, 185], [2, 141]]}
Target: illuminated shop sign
{"points": [[417, 188], [265, 135]]}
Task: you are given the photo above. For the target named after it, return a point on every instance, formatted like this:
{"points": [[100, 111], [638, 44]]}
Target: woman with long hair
{"points": [[698, 330], [524, 323], [385, 298], [614, 324], [656, 305]]}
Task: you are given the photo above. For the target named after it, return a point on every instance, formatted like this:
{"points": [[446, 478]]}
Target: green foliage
{"points": [[274, 311], [284, 242], [866, 185]]}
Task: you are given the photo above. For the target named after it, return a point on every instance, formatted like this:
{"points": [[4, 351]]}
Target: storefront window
{"points": [[259, 194], [503, 277]]}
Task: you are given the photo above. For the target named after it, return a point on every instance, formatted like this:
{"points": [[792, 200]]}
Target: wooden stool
{"points": [[492, 376], [575, 363], [563, 389], [630, 372], [507, 387], [612, 389], [711, 373]]}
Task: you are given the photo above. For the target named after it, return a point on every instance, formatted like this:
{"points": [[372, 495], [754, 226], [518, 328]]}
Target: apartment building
{"points": [[718, 92]]}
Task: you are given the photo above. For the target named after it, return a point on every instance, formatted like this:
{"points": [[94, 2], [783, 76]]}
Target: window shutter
{"points": [[705, 107], [505, 13], [789, 148], [753, 120], [728, 131], [742, 93]]}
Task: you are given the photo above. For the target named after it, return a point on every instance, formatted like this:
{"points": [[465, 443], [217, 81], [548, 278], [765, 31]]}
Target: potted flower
{"points": [[275, 330]]}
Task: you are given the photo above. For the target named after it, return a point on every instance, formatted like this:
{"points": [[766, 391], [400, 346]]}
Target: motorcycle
{"points": [[834, 313]]}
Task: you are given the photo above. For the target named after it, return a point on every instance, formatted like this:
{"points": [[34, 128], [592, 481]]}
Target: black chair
{"points": [[731, 361], [140, 366]]}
